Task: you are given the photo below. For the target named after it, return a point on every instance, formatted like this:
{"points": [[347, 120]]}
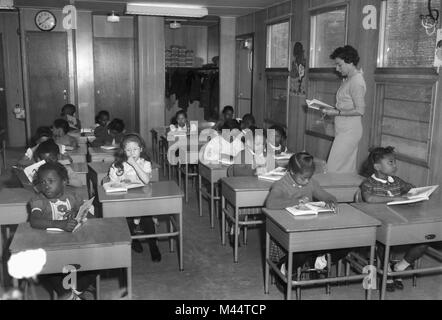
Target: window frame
{"points": [[269, 23], [313, 16]]}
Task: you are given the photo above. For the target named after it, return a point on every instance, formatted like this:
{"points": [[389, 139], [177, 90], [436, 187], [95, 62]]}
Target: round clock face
{"points": [[45, 20]]}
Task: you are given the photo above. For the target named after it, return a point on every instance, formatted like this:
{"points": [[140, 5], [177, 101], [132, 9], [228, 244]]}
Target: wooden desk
{"points": [[99, 170], [211, 173], [155, 199], [342, 185], [98, 154], [78, 155], [405, 224], [240, 192], [99, 244], [81, 170], [349, 228]]}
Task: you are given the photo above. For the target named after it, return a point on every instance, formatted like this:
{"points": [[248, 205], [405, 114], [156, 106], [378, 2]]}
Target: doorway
{"points": [[244, 75], [3, 110], [47, 61]]}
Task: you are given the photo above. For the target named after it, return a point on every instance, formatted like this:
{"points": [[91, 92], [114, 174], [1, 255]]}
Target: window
{"points": [[329, 31], [277, 92], [405, 42], [278, 40]]}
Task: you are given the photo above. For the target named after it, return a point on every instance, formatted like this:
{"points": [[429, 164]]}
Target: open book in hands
{"points": [[416, 195], [274, 175], [110, 187], [310, 208], [318, 105], [81, 216]]}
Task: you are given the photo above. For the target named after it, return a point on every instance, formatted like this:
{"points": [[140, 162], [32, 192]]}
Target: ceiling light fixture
{"points": [[112, 17], [166, 9], [175, 25]]}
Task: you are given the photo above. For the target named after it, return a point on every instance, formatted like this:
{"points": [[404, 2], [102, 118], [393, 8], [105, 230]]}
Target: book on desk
{"points": [[310, 208], [416, 195], [111, 187]]}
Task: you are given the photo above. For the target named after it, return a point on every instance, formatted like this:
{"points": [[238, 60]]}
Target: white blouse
{"points": [[129, 172]]}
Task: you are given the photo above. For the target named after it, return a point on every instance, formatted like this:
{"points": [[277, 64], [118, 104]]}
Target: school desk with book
{"points": [[347, 228]]}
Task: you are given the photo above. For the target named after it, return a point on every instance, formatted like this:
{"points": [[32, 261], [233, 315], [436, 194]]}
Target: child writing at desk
{"points": [[60, 131], [132, 165], [55, 207], [297, 187], [383, 186]]}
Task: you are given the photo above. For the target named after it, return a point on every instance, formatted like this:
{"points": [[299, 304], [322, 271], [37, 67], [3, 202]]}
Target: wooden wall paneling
{"points": [[415, 174], [104, 29], [13, 77], [29, 22], [85, 69], [212, 42], [245, 24], [227, 61], [259, 63]]}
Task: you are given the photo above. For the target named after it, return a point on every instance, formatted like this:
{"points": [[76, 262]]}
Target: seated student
{"points": [[280, 140], [60, 130], [55, 207], [227, 115], [180, 123], [296, 187], [254, 151], [68, 113], [50, 152], [42, 134], [132, 165], [248, 120], [223, 147], [382, 187], [102, 121], [114, 136]]}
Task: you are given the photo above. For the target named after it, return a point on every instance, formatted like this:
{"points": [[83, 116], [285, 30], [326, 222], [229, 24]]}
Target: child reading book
{"points": [[68, 113], [383, 186], [54, 207], [60, 130], [132, 165]]}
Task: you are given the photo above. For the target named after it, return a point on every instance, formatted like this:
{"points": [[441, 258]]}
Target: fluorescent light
{"points": [[166, 9]]}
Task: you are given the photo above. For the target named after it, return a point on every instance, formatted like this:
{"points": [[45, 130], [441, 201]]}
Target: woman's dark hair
{"points": [[228, 108], [68, 106], [116, 125], [61, 123], [120, 155], [346, 53], [39, 133], [301, 162], [101, 113], [280, 130], [376, 155], [48, 166], [48, 146]]}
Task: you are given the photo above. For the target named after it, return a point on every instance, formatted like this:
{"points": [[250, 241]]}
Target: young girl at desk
{"points": [[132, 165], [68, 113], [297, 187], [280, 140], [60, 131], [253, 156], [54, 207], [181, 124], [383, 186], [50, 152], [102, 121]]}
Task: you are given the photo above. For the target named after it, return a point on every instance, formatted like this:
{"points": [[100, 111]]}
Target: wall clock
{"points": [[45, 20]]}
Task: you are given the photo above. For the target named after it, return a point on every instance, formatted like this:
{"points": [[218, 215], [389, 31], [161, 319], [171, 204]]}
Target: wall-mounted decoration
{"points": [[297, 70], [45, 20]]}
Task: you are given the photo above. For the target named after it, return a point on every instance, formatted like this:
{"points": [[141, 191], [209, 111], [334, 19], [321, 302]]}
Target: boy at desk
{"points": [[298, 187], [383, 186], [113, 136], [54, 207], [60, 130]]}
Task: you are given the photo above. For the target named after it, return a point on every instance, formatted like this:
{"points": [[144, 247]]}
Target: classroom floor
{"points": [[209, 272]]}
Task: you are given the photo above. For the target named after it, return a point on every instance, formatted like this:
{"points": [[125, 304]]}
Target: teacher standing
{"points": [[350, 107]]}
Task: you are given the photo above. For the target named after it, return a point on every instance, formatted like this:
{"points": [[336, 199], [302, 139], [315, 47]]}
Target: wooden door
{"points": [[244, 77], [3, 112], [114, 78], [47, 61]]}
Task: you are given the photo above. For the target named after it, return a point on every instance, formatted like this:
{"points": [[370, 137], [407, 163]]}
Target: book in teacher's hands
{"points": [[318, 105], [310, 208], [274, 175], [416, 195]]}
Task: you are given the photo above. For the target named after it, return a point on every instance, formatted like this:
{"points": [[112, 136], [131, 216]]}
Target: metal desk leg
{"points": [[236, 234], [180, 217], [186, 176], [289, 275], [170, 238], [384, 275], [372, 249], [223, 221], [200, 200], [267, 269], [212, 205], [129, 282]]}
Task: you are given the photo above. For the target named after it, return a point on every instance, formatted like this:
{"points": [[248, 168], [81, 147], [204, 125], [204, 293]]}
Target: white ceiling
{"points": [[215, 7]]}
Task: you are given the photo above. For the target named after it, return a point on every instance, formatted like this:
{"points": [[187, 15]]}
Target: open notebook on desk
{"points": [[110, 187], [416, 195], [310, 208]]}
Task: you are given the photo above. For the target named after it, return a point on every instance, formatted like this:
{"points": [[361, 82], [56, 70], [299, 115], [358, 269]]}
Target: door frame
{"points": [[239, 38]]}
